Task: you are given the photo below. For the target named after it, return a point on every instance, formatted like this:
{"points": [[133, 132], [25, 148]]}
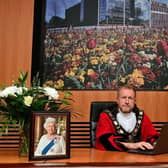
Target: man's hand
{"points": [[138, 145]]}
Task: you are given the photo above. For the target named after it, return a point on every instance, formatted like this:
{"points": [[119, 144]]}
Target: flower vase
{"points": [[24, 143]]}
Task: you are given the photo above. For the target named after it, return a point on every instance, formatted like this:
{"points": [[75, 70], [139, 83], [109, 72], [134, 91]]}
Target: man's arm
{"points": [[106, 137]]}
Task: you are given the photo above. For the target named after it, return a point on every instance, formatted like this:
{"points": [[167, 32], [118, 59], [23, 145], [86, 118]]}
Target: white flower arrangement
{"points": [[17, 101]]}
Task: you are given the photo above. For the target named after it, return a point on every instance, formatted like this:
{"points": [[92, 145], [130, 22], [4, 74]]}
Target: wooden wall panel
{"points": [[15, 54], [15, 38]]}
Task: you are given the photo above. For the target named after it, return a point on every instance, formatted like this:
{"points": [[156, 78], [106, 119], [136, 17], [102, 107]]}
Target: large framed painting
{"points": [[100, 44], [49, 135]]}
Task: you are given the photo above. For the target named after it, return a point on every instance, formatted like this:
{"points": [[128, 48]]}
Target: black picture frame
{"points": [[125, 65], [55, 148]]}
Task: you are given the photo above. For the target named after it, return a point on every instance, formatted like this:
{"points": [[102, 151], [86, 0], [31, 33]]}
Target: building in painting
{"points": [[115, 12], [141, 12], [105, 12], [159, 14], [72, 15]]}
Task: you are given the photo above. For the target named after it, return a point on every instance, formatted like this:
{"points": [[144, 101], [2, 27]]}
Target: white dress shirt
{"points": [[127, 120]]}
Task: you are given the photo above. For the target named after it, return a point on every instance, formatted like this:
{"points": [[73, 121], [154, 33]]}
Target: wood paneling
{"points": [[15, 54], [15, 38]]}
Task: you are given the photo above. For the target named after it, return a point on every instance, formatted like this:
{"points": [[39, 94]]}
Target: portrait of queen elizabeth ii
{"points": [[50, 143]]}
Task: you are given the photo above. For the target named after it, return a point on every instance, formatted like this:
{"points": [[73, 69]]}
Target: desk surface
{"points": [[89, 156]]}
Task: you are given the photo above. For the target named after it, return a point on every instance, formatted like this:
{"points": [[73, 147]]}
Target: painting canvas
{"points": [[49, 136], [100, 44]]}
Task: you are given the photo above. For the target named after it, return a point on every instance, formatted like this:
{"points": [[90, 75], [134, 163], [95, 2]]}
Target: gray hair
{"points": [[49, 120]]}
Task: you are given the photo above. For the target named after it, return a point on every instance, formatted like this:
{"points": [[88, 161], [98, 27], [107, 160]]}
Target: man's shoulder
{"points": [[104, 113]]}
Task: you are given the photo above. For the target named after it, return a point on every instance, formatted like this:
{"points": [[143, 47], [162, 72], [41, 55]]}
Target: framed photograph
{"points": [[100, 44], [49, 138]]}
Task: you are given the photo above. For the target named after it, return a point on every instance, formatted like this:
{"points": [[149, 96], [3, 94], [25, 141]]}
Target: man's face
{"points": [[51, 128], [126, 100]]}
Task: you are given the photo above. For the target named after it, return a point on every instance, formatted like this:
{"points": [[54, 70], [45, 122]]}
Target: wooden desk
{"points": [[86, 157]]}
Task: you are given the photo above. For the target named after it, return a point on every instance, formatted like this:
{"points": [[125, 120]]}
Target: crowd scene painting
{"points": [[105, 58]]}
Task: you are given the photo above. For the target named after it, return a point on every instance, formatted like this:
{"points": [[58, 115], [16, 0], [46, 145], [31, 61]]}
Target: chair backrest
{"points": [[96, 108]]}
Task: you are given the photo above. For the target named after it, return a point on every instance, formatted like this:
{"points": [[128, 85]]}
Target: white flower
{"points": [[28, 100], [142, 53], [51, 92], [19, 90], [12, 90], [120, 51], [114, 63], [147, 64], [9, 90], [151, 56]]}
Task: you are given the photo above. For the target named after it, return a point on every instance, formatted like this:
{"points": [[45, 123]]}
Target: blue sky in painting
{"points": [[162, 1]]}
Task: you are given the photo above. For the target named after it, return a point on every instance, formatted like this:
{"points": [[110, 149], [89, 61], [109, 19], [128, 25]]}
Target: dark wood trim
{"points": [[102, 164]]}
